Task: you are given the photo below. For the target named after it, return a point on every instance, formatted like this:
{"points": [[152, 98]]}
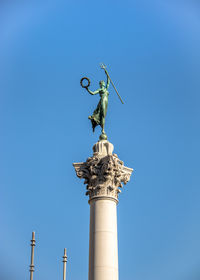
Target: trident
{"points": [[104, 67]]}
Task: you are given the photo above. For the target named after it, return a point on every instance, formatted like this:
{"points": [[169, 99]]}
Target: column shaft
{"points": [[103, 249]]}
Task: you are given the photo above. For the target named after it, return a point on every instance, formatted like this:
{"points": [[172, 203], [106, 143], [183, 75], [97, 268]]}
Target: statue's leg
{"points": [[103, 111], [103, 124], [103, 115]]}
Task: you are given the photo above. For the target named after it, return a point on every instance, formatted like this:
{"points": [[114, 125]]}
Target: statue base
{"points": [[103, 136]]}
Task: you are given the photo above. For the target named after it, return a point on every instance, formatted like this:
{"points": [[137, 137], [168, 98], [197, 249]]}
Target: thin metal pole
{"points": [[64, 263], [32, 255]]}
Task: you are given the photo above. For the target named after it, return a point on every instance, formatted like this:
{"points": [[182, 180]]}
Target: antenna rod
{"points": [[64, 263], [32, 255]]}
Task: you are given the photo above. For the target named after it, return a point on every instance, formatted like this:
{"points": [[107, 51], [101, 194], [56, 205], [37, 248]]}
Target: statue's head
{"points": [[102, 84]]}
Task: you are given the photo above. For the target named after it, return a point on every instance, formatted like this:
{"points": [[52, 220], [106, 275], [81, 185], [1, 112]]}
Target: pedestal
{"points": [[103, 174]]}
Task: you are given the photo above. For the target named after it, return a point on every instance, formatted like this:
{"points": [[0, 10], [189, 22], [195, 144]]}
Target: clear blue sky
{"points": [[152, 52]]}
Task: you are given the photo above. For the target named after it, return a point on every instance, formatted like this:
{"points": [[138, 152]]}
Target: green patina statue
{"points": [[99, 114]]}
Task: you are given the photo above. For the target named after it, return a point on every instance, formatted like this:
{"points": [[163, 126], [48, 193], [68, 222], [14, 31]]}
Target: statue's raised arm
{"points": [[92, 92], [108, 79], [106, 72]]}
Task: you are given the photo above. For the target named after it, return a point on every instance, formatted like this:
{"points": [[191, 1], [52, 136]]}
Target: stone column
{"points": [[103, 174]]}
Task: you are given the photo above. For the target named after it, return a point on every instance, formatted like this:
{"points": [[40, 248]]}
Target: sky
{"points": [[151, 49]]}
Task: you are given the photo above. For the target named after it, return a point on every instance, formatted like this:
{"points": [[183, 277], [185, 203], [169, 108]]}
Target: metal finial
{"points": [[64, 263], [32, 255]]}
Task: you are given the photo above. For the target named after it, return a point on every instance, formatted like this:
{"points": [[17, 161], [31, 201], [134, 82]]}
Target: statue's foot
{"points": [[103, 136]]}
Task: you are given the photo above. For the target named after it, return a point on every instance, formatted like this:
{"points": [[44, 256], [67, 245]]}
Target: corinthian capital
{"points": [[104, 172]]}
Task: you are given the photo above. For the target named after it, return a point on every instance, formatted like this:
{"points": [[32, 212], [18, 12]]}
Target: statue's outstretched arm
{"points": [[93, 92], [108, 79]]}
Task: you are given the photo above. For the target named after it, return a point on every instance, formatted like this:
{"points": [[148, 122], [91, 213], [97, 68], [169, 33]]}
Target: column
{"points": [[104, 174]]}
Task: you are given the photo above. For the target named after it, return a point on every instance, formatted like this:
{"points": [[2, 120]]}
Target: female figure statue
{"points": [[99, 114]]}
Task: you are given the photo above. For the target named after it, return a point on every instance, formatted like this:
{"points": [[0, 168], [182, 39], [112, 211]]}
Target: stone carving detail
{"points": [[103, 174]]}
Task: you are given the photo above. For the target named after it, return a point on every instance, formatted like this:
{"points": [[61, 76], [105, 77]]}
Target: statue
{"points": [[99, 114]]}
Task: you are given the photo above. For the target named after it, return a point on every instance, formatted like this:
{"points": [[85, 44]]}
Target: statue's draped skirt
{"points": [[99, 114]]}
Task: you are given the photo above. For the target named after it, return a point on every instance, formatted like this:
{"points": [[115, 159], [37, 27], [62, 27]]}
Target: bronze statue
{"points": [[99, 114]]}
